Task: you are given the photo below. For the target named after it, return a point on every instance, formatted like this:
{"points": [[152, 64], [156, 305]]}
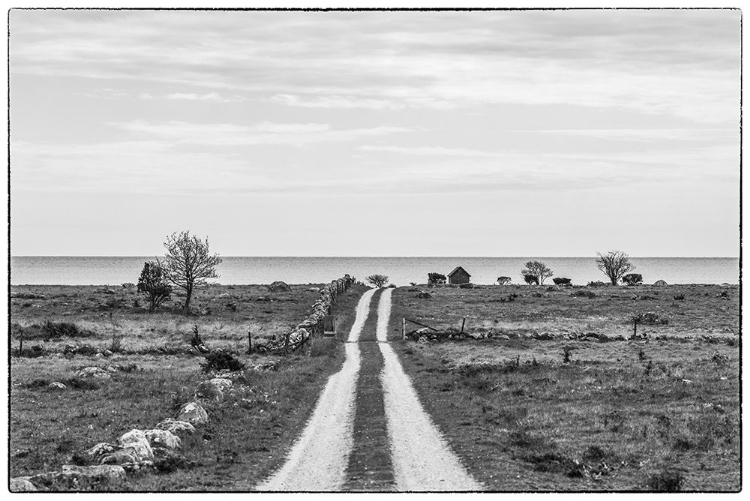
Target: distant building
{"points": [[459, 276]]}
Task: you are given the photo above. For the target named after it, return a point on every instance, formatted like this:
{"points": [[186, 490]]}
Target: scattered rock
{"points": [[176, 427], [424, 295], [20, 484], [93, 372], [105, 290], [121, 457], [193, 413], [163, 439], [102, 449], [102, 472], [136, 440], [107, 353], [279, 286], [56, 385]]}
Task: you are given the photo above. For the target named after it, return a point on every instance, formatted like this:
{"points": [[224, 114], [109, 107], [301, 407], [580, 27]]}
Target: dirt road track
{"points": [[397, 445]]}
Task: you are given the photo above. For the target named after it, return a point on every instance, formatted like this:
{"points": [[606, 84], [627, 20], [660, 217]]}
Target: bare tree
{"points": [[188, 263], [614, 264], [536, 269], [377, 280], [153, 284]]}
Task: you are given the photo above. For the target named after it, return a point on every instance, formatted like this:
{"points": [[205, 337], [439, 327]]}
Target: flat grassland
{"points": [[65, 328], [550, 393]]}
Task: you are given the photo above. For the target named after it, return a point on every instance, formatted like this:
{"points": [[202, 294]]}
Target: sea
{"points": [[112, 270]]}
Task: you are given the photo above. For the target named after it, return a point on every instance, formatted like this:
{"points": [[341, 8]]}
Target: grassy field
{"points": [[541, 401], [154, 372]]}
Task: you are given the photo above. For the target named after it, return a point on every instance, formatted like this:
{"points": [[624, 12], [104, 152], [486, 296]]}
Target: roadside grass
{"points": [[625, 415], [248, 434]]}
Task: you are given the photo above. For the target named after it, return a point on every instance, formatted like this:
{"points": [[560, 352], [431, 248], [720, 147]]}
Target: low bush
{"points": [[220, 361], [632, 279], [584, 293], [466, 286], [531, 279], [666, 481], [35, 351], [503, 280], [435, 278]]}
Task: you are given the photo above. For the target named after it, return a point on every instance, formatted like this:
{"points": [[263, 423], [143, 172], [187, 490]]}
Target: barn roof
{"points": [[456, 270]]}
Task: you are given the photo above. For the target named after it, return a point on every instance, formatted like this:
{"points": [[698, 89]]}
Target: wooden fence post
{"points": [[249, 341], [462, 325], [403, 328]]}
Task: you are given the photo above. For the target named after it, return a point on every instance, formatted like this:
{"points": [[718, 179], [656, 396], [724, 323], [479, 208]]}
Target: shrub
{"points": [[503, 280], [377, 280], [666, 481], [153, 284], [436, 278], [632, 279], [538, 270], [221, 360], [466, 286], [597, 283], [679, 297], [584, 293], [614, 264], [531, 279], [561, 281], [649, 318], [63, 329]]}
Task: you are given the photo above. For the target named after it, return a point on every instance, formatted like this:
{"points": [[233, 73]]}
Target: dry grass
{"points": [[621, 415], [249, 432]]}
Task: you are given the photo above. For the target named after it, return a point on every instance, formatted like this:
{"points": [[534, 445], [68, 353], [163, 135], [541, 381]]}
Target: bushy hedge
{"points": [[632, 279]]}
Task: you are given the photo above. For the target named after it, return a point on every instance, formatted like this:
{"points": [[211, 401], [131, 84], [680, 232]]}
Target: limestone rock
{"points": [[136, 439], [56, 385], [193, 413], [93, 372], [176, 427], [124, 456], [102, 449], [20, 484], [163, 438]]}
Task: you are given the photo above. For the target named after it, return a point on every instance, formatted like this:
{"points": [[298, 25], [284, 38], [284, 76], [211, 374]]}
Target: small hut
{"points": [[459, 276]]}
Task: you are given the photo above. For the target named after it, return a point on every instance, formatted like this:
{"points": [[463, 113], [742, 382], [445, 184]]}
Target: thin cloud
{"points": [[677, 62], [179, 132]]}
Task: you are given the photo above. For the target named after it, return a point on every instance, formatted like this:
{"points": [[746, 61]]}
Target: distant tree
{"points": [[538, 270], [503, 280], [561, 281], [435, 278], [632, 279], [531, 279], [614, 264], [188, 263], [153, 284], [377, 280]]}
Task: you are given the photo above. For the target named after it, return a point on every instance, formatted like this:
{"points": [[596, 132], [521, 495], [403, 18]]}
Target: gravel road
{"points": [[319, 458], [420, 458]]}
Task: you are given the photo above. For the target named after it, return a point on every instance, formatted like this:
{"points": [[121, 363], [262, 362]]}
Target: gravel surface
{"points": [[422, 460], [324, 458], [319, 459]]}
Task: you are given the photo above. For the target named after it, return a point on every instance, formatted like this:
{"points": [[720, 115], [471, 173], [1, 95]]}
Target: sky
{"points": [[385, 133]]}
